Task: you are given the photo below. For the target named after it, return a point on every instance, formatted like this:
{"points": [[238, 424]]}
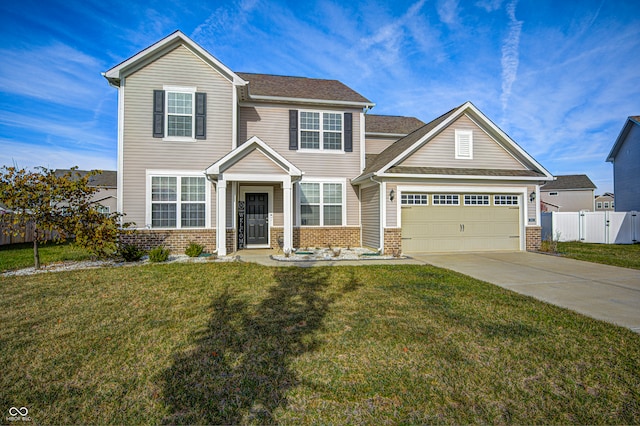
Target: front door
{"points": [[257, 228]]}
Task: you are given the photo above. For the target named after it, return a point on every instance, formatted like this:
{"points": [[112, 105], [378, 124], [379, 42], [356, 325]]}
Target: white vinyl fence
{"points": [[592, 227]]}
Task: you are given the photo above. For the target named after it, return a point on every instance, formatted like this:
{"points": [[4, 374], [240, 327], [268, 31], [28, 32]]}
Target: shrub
{"points": [[194, 250], [159, 254], [130, 252]]}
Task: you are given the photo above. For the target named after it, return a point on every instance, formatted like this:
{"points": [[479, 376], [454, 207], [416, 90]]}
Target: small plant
{"points": [[159, 254], [287, 253], [336, 252], [194, 249], [130, 252], [550, 244]]}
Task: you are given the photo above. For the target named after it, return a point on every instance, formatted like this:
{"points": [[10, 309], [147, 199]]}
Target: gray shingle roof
{"points": [[569, 182], [391, 124], [106, 179], [300, 88]]}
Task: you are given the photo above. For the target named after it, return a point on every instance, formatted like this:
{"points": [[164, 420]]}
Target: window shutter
{"points": [[348, 132], [293, 129], [158, 113], [201, 115]]}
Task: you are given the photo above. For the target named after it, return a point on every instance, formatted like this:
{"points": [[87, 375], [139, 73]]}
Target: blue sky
{"points": [[560, 77]]}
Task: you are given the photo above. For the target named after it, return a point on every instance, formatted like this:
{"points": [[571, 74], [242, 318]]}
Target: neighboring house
{"points": [[605, 202], [236, 160], [569, 193], [106, 182], [625, 156]]}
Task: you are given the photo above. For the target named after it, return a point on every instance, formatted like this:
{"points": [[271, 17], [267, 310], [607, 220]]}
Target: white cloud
{"points": [[510, 54], [448, 11]]}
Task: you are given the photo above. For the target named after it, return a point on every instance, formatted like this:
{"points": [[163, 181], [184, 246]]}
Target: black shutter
{"points": [[158, 113], [201, 115], [348, 132], [293, 129]]}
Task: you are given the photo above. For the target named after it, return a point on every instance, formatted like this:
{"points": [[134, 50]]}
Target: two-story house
{"points": [[236, 160], [625, 156], [568, 193]]}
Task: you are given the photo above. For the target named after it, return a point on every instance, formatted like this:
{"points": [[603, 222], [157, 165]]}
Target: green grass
{"points": [[18, 256], [241, 343], [625, 255]]}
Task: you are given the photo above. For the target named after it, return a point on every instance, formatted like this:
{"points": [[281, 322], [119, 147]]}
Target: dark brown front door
{"points": [[257, 229]]}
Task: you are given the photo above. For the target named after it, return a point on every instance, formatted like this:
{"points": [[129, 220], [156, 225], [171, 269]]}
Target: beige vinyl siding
{"points": [[531, 206], [370, 204], [142, 152], [375, 145], [440, 151], [255, 162], [392, 206], [271, 124]]}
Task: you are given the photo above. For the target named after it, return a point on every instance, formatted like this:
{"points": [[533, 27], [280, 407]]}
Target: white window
{"points": [[321, 130], [506, 200], [464, 144], [178, 202], [414, 199], [476, 200], [553, 194], [599, 204], [321, 204], [446, 200], [606, 204]]}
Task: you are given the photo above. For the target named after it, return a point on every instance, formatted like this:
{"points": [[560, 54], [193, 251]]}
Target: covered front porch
{"points": [[254, 198]]}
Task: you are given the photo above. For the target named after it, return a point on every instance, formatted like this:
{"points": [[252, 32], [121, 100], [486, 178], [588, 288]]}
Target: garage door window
{"points": [[505, 200], [446, 200], [476, 200], [414, 199]]}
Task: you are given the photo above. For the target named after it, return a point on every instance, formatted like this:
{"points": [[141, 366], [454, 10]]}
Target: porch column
{"points": [[287, 207], [221, 217]]}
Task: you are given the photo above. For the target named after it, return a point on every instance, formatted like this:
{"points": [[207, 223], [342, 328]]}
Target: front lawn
{"points": [[242, 343], [18, 256], [625, 255]]}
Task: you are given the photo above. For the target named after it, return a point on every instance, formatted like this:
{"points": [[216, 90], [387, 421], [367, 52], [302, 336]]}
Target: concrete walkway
{"points": [[603, 292]]}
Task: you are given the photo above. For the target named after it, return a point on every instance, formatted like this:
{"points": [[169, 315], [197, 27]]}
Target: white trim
{"points": [[120, 166], [310, 101], [243, 190], [520, 190], [321, 131], [363, 143], [321, 180], [221, 217], [459, 134], [186, 90], [149, 173], [467, 177], [234, 118]]}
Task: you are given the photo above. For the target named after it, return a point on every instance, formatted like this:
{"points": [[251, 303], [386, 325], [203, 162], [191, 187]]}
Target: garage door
{"points": [[460, 222]]}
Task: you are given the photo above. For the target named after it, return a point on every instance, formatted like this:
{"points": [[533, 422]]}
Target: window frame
{"points": [[506, 200], [183, 90], [486, 197], [321, 204], [455, 197], [178, 202], [405, 197], [599, 205], [321, 131]]}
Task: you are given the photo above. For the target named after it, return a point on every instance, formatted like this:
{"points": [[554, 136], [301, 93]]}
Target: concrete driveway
{"points": [[604, 292]]}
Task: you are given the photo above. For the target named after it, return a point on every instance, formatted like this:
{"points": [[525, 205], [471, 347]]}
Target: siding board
{"points": [[370, 201]]}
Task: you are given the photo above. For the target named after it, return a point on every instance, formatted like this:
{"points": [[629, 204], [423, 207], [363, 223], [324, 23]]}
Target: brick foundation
{"points": [[232, 240], [392, 241], [533, 238], [336, 236], [176, 240]]}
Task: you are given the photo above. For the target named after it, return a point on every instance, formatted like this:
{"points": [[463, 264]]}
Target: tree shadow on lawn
{"points": [[240, 371]]}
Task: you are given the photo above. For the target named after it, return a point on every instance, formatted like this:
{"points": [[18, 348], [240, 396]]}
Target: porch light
{"points": [[532, 196], [392, 195]]}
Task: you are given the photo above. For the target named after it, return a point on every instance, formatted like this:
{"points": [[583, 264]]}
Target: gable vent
{"points": [[464, 144]]}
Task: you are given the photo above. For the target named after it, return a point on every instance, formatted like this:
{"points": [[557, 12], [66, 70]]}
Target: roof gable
{"points": [[628, 125], [161, 48], [247, 150], [399, 151], [104, 179]]}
